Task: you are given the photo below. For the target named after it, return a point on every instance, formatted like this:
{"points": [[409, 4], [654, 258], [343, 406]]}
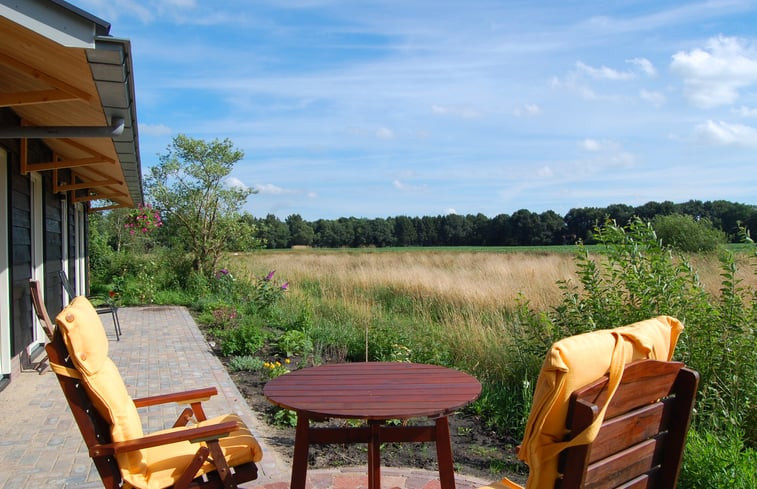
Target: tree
{"points": [[189, 186], [274, 232], [300, 231], [686, 233]]}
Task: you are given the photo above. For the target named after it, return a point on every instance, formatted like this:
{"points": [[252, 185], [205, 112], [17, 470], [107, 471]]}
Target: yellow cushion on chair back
{"points": [[575, 362], [85, 339]]}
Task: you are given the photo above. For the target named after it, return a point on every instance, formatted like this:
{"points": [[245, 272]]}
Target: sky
{"points": [[380, 108]]}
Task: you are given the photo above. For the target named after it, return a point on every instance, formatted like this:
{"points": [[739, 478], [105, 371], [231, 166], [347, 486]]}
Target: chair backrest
{"points": [[641, 439], [40, 309], [572, 363], [66, 284], [94, 428]]}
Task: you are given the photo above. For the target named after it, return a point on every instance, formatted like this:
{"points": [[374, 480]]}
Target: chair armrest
{"points": [[193, 435], [183, 397]]}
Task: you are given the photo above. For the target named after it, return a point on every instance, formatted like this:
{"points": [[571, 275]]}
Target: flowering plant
{"points": [[143, 219], [267, 292]]}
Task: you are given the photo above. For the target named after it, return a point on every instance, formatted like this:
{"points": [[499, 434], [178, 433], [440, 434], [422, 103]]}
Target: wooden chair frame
{"points": [[640, 443], [96, 431]]}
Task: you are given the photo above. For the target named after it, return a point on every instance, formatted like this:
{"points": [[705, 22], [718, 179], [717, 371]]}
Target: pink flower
{"points": [[269, 276], [285, 286]]}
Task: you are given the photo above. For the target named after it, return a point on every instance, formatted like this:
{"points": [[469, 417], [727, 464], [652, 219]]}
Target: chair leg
{"points": [[115, 317], [115, 324]]}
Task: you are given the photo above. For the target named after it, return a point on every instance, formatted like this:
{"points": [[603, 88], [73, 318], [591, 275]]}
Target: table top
{"points": [[373, 390]]}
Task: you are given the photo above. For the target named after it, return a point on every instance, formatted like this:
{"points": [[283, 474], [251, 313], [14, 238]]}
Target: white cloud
{"points": [[745, 111], [724, 134], [604, 73], [271, 189], [545, 172], [234, 182], [449, 211], [527, 110], [384, 133], [464, 112], [154, 129], [655, 98], [713, 76], [644, 65], [591, 144], [400, 185]]}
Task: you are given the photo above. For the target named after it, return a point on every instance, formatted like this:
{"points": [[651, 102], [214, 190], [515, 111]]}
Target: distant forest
{"points": [[522, 228]]}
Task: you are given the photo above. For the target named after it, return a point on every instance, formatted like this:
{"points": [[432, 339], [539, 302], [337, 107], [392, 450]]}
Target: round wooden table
{"points": [[376, 392]]}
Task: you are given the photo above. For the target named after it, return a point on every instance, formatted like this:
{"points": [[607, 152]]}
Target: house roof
{"points": [[72, 85]]}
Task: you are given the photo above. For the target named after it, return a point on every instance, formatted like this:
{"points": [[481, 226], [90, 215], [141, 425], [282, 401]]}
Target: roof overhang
{"points": [[72, 86]]}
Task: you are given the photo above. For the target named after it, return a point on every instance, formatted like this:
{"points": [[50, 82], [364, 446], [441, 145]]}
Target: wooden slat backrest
{"points": [[94, 429], [640, 443]]}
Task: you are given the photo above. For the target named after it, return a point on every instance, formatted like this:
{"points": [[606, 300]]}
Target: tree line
{"points": [[522, 228]]}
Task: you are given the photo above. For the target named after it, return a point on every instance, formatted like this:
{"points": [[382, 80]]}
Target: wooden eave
{"points": [[50, 85]]}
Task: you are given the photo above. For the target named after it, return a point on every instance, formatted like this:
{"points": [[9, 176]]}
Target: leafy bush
{"points": [[718, 460], [246, 362], [637, 277], [685, 233], [247, 339], [295, 342]]}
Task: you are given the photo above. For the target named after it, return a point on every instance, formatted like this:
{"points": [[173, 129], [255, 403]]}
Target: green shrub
{"points": [[718, 460], [246, 339], [684, 233], [295, 342], [246, 362]]}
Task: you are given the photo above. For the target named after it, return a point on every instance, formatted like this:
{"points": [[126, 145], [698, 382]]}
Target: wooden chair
{"points": [[641, 440], [214, 453], [40, 309], [103, 305]]}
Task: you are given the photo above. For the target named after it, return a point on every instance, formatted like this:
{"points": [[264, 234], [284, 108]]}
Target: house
{"points": [[68, 147]]}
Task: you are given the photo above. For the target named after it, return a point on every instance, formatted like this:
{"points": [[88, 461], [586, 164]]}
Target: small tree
{"points": [[685, 233], [189, 187]]}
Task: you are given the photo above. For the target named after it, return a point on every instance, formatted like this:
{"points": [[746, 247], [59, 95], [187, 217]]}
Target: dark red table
{"points": [[376, 392]]}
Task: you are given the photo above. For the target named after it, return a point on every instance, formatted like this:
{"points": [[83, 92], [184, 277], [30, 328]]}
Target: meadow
{"points": [[494, 312]]}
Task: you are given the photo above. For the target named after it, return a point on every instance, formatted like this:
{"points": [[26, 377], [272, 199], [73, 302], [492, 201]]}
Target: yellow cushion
{"points": [[167, 462], [150, 468], [572, 363], [87, 344]]}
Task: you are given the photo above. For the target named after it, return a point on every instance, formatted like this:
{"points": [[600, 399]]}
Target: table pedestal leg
{"points": [[300, 458], [374, 456], [444, 454]]}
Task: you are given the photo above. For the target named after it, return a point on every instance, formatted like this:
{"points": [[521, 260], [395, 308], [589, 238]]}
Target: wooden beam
{"points": [[87, 198], [35, 97], [87, 184], [53, 165], [107, 208], [44, 77]]}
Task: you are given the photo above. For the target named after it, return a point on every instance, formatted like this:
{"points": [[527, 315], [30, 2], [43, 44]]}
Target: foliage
{"points": [[143, 219], [295, 343], [685, 233], [189, 185], [718, 460], [246, 339], [267, 292], [245, 362], [522, 228]]}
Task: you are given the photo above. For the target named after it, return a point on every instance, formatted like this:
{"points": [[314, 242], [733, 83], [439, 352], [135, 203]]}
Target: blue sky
{"points": [[401, 107]]}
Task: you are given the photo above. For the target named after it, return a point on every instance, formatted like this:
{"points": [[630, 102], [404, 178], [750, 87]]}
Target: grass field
{"points": [[483, 277]]}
